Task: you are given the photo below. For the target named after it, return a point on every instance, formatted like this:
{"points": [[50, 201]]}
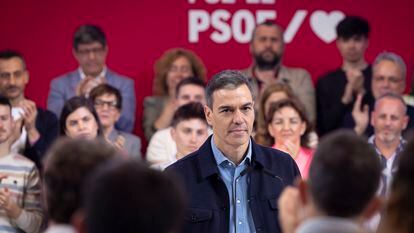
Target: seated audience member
{"points": [[340, 192], [389, 118], [174, 66], [399, 210], [20, 199], [162, 146], [389, 73], [336, 91], [67, 165], [189, 130], [79, 119], [289, 127], [108, 105], [267, 48], [36, 128], [274, 93], [129, 197], [90, 50]]}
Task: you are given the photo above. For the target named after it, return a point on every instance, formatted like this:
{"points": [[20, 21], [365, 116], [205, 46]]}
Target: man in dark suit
{"points": [[90, 50], [232, 183], [36, 128]]}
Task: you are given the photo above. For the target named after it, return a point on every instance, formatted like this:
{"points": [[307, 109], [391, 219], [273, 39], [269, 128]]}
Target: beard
{"points": [[266, 63]]}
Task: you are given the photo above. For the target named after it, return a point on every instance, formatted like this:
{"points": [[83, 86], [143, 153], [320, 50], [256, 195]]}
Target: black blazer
{"points": [[208, 210]]}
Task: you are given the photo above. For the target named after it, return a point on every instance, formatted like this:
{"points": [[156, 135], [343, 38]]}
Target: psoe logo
{"points": [[224, 26]]}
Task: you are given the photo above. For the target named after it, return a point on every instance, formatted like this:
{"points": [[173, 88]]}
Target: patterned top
{"points": [[23, 183]]}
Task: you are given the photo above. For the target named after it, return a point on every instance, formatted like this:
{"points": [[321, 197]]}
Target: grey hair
{"points": [[393, 57], [227, 79]]}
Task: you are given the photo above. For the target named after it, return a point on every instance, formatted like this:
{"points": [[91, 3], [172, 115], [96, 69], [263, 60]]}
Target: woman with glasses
{"points": [[107, 101], [174, 66]]}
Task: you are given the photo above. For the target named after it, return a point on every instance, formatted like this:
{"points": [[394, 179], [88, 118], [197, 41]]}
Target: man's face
{"points": [[388, 120], [267, 46], [81, 124], [13, 78], [108, 113], [190, 93], [387, 77], [353, 49], [91, 57], [231, 116], [189, 135], [6, 123]]}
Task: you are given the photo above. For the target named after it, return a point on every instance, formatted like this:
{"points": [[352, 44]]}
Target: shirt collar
{"points": [[399, 149], [83, 75], [221, 158]]}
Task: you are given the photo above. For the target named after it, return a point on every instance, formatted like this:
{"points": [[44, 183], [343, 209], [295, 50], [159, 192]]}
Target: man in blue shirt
{"points": [[232, 183]]}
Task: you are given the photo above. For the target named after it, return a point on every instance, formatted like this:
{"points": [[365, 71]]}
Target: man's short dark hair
{"points": [[103, 89], [190, 81], [67, 165], [344, 174], [352, 26], [267, 23], [189, 111], [5, 101], [87, 34], [129, 197], [227, 79], [9, 54]]}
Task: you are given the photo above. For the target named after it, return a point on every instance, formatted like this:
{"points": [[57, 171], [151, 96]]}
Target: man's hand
{"points": [[355, 85], [29, 119], [289, 209], [361, 117], [16, 131], [6, 203], [87, 84]]}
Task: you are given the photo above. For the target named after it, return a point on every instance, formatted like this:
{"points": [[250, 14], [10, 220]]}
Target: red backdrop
{"points": [[139, 31]]}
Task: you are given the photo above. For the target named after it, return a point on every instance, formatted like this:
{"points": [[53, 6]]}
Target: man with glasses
{"points": [[108, 104], [389, 72], [90, 50], [36, 128]]}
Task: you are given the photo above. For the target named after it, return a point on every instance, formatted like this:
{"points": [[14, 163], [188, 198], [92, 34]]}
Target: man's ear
{"points": [[78, 221], [208, 112], [372, 208]]}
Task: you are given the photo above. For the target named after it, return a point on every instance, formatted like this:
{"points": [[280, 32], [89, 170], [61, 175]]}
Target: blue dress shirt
{"points": [[236, 178]]}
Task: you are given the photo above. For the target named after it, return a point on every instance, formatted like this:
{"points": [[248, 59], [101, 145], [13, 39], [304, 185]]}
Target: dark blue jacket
{"points": [[208, 200]]}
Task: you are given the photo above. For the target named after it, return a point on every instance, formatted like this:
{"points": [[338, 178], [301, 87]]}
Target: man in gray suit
{"points": [[108, 104], [340, 192], [90, 50]]}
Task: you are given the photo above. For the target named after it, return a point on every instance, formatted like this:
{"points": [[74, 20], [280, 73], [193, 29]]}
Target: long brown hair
{"points": [[163, 65], [262, 135]]}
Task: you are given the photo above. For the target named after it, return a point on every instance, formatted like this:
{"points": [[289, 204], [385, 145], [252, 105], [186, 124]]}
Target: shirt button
{"points": [[238, 201], [240, 222]]}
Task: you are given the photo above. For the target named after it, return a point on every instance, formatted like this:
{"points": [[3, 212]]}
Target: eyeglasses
{"points": [[96, 51], [102, 103], [8, 75], [393, 80]]}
